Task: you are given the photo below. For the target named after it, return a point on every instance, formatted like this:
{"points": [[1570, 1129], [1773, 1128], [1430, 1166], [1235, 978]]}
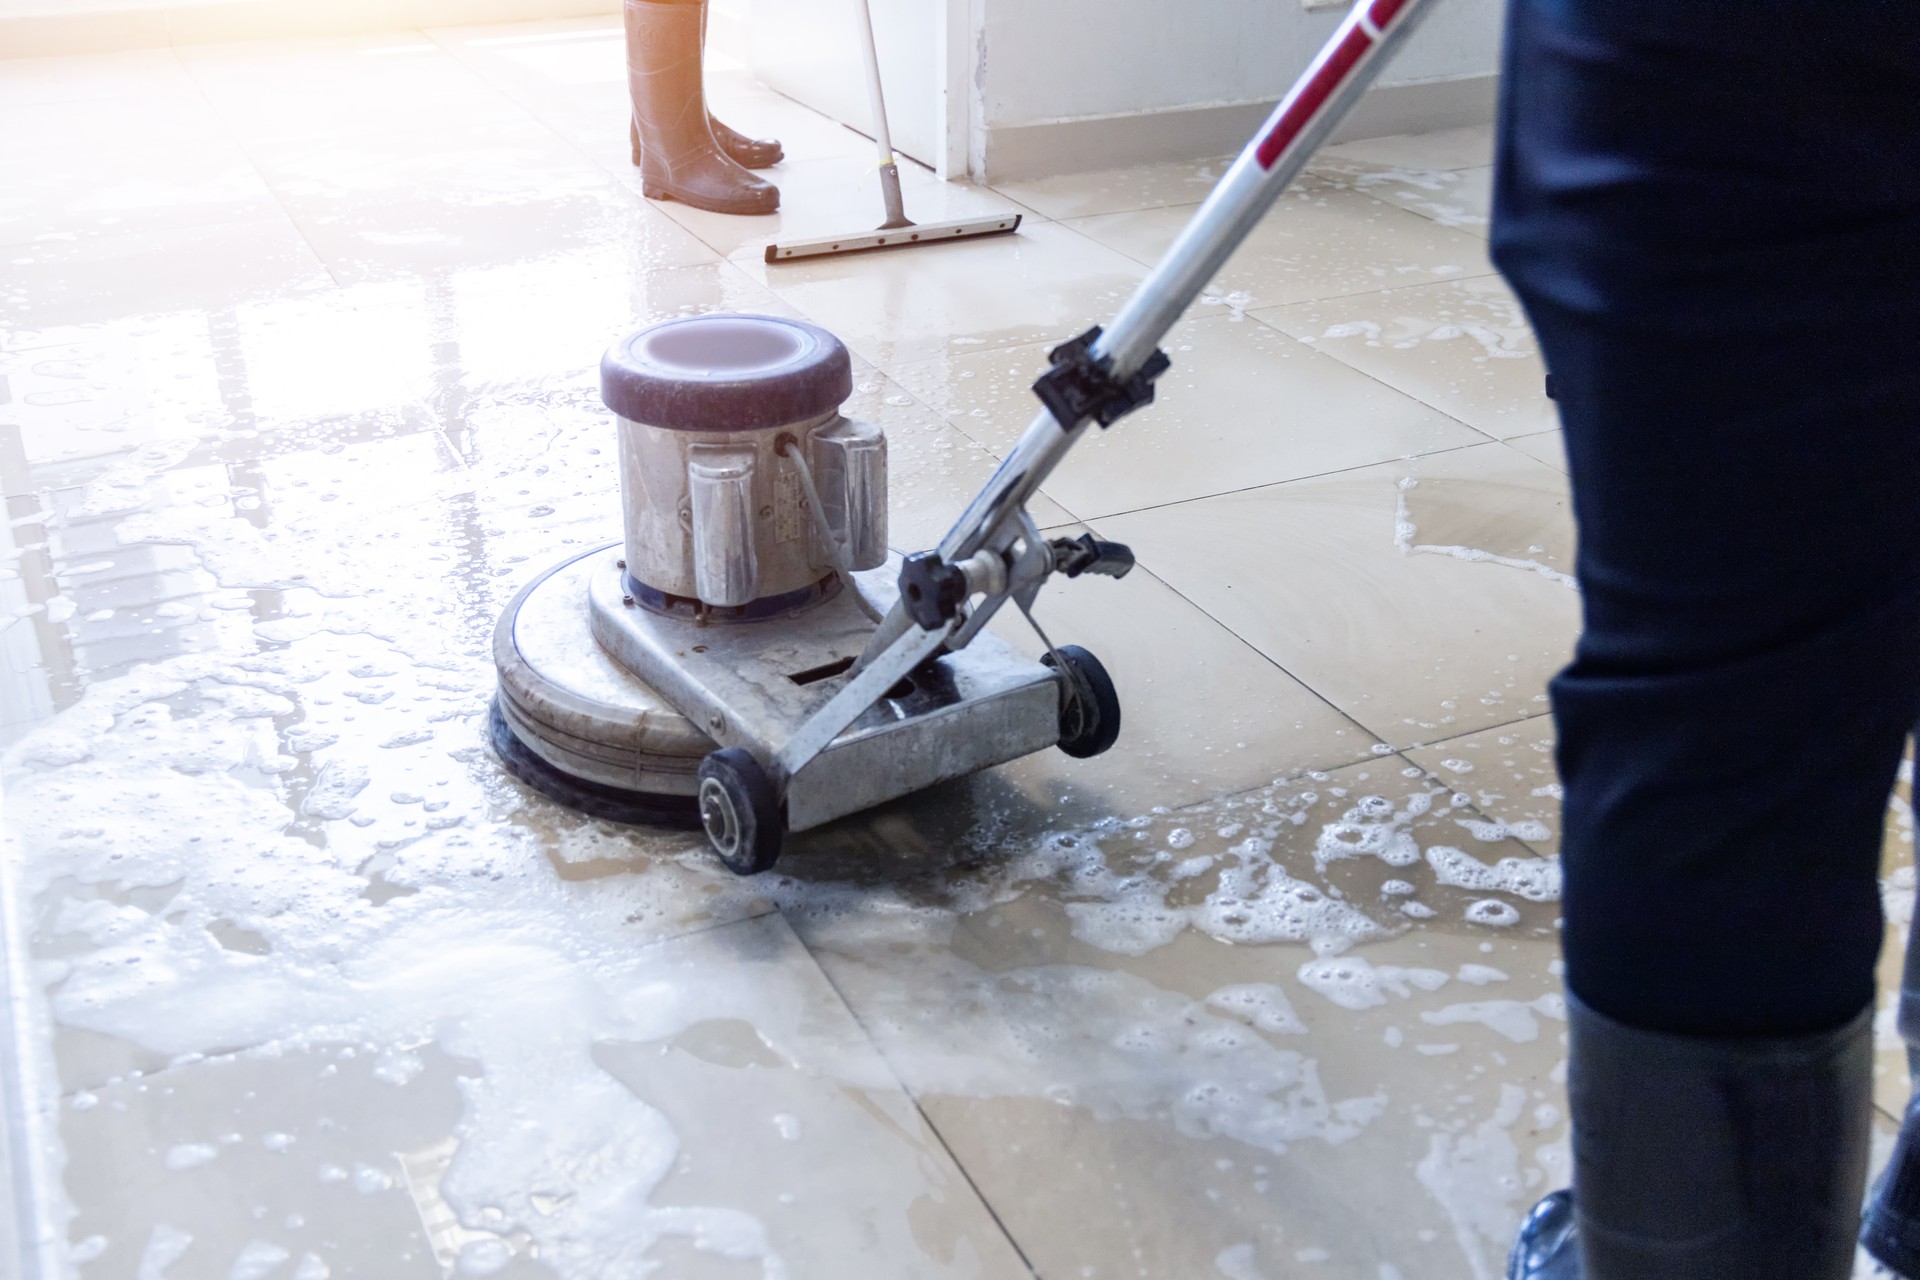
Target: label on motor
{"points": [[790, 516]]}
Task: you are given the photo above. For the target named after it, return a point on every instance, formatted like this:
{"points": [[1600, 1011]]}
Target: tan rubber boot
{"points": [[678, 156], [752, 153]]}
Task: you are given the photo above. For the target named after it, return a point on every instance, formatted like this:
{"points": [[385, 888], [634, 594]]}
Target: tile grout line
{"points": [[1101, 213], [1318, 475], [573, 145], [1410, 458], [1367, 373], [1280, 666], [1397, 754], [1268, 658], [1523, 453], [1358, 293], [619, 178], [956, 428], [1337, 180], [1249, 313], [173, 51], [921, 1111], [1483, 238], [239, 1052]]}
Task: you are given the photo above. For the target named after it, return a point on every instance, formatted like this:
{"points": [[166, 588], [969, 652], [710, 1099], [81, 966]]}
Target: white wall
{"points": [[33, 28], [1045, 62], [810, 51]]}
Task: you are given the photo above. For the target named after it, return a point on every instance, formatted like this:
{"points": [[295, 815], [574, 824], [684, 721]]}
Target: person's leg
{"points": [[1705, 224], [673, 142]]}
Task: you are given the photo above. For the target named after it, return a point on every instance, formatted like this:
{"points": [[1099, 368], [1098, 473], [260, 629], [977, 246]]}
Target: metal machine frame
{"points": [[745, 685]]}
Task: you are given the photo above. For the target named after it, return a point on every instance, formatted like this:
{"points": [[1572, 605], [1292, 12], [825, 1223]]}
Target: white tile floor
{"points": [[299, 345]]}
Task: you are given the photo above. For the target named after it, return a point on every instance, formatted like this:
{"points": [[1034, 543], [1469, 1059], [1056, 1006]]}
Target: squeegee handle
{"points": [[882, 136], [1341, 72], [876, 96]]}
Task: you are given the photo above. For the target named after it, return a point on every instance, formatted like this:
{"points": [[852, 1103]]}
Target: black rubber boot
{"points": [[1698, 1158], [673, 145], [1891, 1229], [1546, 1249]]}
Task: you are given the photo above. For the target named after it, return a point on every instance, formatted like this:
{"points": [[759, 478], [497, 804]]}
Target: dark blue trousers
{"points": [[1712, 215], [1711, 212]]}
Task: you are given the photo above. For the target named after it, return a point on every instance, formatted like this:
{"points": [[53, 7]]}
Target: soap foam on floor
{"points": [[170, 780], [309, 846]]}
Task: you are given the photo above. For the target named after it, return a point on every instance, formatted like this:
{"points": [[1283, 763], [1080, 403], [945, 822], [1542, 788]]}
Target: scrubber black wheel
{"points": [[1089, 706], [741, 811]]}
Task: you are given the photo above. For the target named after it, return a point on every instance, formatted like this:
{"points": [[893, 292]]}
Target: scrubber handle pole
{"points": [[996, 518], [882, 136], [1372, 31]]}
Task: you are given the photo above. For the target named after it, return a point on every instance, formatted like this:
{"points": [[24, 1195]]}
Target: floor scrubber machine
{"points": [[752, 656]]}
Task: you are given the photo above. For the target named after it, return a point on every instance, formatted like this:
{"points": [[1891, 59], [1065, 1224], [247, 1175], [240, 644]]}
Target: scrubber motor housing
{"points": [[723, 423]]}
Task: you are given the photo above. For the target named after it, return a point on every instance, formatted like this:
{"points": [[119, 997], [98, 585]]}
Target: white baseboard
{"points": [[155, 25], [1108, 142]]}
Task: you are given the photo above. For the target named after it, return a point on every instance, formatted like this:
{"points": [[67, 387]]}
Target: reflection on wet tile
{"points": [[1509, 773], [1319, 241], [504, 350], [1152, 186], [933, 469], [1549, 447], [137, 273], [1043, 284], [826, 172], [273, 93], [254, 1163], [1462, 346], [1461, 198], [137, 73], [403, 204], [813, 1138], [726, 1098], [1242, 406], [572, 75], [552, 69], [1132, 1096], [1464, 148], [1203, 713], [154, 163], [1421, 611]]}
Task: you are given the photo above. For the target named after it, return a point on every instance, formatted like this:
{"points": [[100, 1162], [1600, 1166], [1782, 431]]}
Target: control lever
{"points": [[1088, 554]]}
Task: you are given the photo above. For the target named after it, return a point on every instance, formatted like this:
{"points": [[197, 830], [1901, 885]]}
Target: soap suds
{"points": [[310, 906], [1535, 879], [190, 1155], [1262, 1003], [1475, 1176], [258, 1260], [1513, 1019], [1404, 532], [1354, 983], [165, 1246]]}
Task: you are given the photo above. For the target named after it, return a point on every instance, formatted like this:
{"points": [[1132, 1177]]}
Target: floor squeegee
{"points": [[753, 657], [897, 231]]}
